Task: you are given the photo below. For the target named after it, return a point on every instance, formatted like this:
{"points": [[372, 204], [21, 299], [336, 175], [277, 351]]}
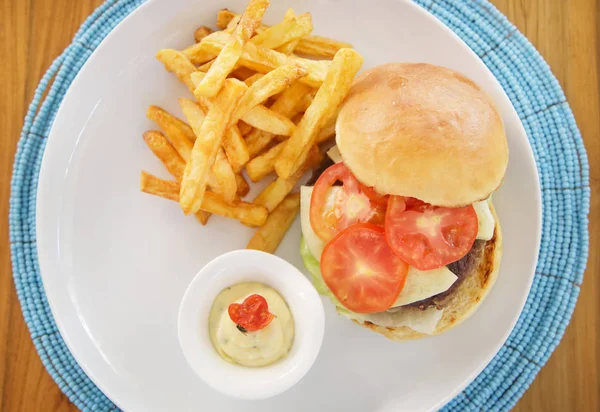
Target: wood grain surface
{"points": [[34, 32]]}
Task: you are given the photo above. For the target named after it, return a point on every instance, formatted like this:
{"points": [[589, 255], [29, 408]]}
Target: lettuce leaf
{"points": [[314, 268]]}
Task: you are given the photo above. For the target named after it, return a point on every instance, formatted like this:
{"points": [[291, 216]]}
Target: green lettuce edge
{"points": [[314, 268]]}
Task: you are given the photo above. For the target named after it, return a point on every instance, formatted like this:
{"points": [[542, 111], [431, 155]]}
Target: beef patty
{"points": [[462, 268]]}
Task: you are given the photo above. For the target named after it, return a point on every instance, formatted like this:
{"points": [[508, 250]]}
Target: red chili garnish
{"points": [[252, 314]]}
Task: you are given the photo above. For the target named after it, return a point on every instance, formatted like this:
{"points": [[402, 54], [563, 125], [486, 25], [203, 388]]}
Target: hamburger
{"points": [[399, 229]]}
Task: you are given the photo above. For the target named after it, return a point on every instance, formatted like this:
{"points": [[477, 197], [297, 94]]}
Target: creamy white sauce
{"points": [[260, 348]]}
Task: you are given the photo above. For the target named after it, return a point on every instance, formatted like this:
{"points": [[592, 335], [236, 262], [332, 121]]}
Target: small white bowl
{"points": [[304, 303]]}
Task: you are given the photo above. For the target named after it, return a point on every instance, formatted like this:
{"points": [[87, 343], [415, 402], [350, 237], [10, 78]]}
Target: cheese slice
{"points": [[485, 220], [334, 154], [422, 284], [422, 321]]}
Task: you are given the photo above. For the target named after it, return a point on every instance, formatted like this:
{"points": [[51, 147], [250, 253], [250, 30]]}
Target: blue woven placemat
{"points": [[552, 132]]}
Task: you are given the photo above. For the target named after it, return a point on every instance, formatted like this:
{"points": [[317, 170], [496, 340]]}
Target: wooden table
{"points": [[567, 34]]}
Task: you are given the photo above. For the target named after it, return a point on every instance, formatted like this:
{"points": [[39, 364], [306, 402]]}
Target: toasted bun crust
{"points": [[465, 299], [422, 131]]}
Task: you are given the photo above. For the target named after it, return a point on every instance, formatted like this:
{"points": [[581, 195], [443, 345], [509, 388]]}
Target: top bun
{"points": [[422, 131]]}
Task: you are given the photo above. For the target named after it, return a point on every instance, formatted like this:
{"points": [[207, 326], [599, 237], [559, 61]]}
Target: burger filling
{"points": [[391, 261]]}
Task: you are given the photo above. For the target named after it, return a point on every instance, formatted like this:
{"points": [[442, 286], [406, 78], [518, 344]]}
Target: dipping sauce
{"points": [[257, 348]]}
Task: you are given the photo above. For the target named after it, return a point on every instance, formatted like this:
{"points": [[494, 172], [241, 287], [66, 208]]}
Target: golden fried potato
{"points": [[316, 46], [278, 189], [292, 28], [247, 213], [268, 237], [178, 132], [268, 85], [336, 85], [176, 62], [286, 105], [209, 136], [263, 165], [259, 116], [261, 59], [242, 185], [161, 147], [224, 174], [235, 148], [201, 32], [232, 49]]}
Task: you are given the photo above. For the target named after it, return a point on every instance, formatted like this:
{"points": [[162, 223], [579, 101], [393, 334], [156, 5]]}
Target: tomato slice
{"points": [[361, 270], [352, 205], [376, 198], [428, 237], [252, 314]]}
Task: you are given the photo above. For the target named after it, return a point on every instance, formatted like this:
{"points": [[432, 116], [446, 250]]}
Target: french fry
{"points": [[303, 104], [257, 140], [224, 175], [296, 119], [268, 237], [247, 213], [202, 216], [327, 132], [319, 46], [259, 58], [344, 67], [236, 148], [161, 147], [232, 50], [259, 116], [233, 141], [264, 164], [242, 185], [271, 83], [253, 79], [179, 134], [289, 47], [286, 104], [242, 73], [175, 164], [244, 127], [201, 32], [290, 29], [232, 24], [153, 185], [270, 121], [204, 68], [224, 16], [279, 188], [310, 45], [209, 133], [176, 62]]}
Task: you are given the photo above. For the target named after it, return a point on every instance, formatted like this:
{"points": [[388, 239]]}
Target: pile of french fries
{"points": [[258, 108]]}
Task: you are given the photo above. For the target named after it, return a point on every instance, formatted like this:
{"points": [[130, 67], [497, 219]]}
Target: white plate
{"points": [[116, 262]]}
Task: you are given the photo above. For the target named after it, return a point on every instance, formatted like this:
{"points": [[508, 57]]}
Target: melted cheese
{"points": [[422, 284], [485, 220], [334, 154]]}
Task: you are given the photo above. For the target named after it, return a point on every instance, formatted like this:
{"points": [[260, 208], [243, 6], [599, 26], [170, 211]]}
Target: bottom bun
{"points": [[462, 301]]}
